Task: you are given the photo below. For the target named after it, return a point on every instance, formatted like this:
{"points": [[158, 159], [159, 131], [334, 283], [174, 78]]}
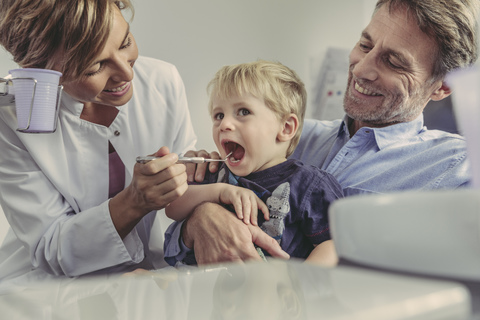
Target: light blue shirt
{"points": [[379, 160], [375, 160]]}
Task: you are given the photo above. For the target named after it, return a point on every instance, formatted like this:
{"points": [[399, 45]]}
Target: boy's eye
{"points": [[218, 116], [243, 112]]}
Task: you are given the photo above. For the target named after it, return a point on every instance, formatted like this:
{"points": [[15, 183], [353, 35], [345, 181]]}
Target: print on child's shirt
{"points": [[278, 206]]}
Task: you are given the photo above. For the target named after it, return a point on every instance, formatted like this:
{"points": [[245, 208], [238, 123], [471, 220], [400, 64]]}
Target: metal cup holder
{"points": [[9, 81]]}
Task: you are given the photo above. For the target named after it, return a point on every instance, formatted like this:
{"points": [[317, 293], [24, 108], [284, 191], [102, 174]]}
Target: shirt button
{"points": [[117, 133]]}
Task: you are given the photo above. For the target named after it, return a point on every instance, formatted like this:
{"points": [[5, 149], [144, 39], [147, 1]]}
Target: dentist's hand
{"points": [[154, 185], [196, 172], [157, 183]]}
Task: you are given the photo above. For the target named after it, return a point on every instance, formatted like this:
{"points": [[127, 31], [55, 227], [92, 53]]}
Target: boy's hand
{"points": [[245, 202], [196, 172]]}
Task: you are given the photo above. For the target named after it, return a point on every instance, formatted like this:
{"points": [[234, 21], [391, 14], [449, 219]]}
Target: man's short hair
{"points": [[453, 26]]}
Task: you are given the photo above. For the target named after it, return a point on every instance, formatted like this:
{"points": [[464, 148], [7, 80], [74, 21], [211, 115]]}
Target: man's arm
{"points": [[217, 235]]}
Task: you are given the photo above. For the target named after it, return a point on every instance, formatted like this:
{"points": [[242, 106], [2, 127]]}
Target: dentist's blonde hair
{"points": [[66, 34], [278, 86]]}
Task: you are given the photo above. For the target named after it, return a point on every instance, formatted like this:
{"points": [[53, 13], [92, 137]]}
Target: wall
{"points": [[201, 36]]}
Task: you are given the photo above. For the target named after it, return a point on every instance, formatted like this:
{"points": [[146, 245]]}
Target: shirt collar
{"points": [[390, 134], [344, 127], [71, 104]]}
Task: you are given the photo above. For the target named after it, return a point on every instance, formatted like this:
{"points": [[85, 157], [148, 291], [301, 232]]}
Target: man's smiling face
{"points": [[390, 71]]}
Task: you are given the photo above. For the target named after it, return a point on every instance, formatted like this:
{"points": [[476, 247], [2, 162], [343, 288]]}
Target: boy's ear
{"points": [[290, 127], [442, 92]]}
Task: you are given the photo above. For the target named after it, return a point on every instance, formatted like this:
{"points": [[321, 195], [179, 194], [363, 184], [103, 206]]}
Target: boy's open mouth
{"points": [[237, 151]]}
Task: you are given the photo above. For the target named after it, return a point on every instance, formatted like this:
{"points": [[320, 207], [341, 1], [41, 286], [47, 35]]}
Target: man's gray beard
{"points": [[387, 116]]}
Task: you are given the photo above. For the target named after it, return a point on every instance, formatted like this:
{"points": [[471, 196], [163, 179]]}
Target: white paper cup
{"points": [[43, 113]]}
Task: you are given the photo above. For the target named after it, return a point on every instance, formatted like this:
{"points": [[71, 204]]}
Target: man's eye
{"points": [[393, 64], [364, 47]]}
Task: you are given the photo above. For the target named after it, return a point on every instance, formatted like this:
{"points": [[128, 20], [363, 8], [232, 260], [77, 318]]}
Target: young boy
{"points": [[257, 111]]}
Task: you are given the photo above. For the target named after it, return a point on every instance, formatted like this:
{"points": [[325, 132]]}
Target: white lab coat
{"points": [[54, 187]]}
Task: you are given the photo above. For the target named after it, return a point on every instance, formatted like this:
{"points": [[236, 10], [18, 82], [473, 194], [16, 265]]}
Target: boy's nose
{"points": [[227, 124]]}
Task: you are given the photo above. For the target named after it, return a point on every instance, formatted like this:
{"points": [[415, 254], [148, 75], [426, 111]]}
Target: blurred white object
{"points": [[465, 84], [434, 233], [4, 226], [256, 290]]}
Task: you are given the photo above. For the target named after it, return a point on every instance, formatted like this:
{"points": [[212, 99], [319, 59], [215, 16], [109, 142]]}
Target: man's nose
{"points": [[366, 67]]}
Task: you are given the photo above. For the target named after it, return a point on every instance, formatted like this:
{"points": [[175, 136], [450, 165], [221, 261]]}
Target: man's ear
{"points": [[442, 92], [289, 129]]}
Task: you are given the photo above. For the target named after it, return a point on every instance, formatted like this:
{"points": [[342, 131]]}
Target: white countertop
{"points": [[272, 290]]}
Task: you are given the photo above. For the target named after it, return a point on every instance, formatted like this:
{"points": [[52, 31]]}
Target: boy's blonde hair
{"points": [[38, 33], [277, 85]]}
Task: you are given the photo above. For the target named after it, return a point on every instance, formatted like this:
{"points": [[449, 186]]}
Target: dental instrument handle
{"points": [[145, 159], [192, 160], [197, 160], [180, 160]]}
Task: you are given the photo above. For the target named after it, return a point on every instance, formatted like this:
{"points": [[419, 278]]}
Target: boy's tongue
{"points": [[237, 150]]}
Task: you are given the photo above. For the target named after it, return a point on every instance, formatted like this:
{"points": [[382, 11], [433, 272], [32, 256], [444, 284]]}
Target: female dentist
{"points": [[75, 199]]}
